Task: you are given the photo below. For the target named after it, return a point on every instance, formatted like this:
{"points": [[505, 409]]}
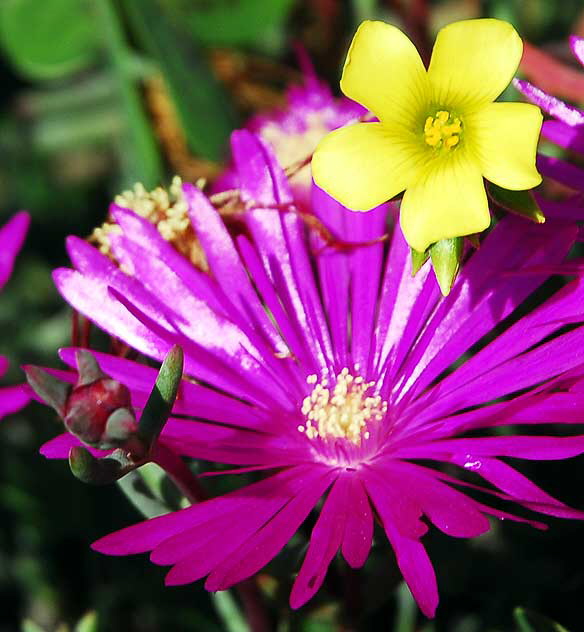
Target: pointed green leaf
{"points": [[89, 469], [418, 259], [51, 390], [48, 39], [203, 108], [446, 255], [529, 621], [519, 202], [161, 400]]}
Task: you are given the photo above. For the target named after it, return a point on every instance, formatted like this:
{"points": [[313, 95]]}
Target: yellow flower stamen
{"points": [[442, 130], [342, 412]]}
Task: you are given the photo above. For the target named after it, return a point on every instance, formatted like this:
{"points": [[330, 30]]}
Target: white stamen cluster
{"points": [[341, 411]]}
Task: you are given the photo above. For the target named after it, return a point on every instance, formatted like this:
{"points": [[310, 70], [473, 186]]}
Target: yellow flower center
{"points": [[343, 411], [442, 130]]}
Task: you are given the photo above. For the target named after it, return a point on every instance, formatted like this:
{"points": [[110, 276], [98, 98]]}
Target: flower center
{"points": [[442, 130], [343, 411]]}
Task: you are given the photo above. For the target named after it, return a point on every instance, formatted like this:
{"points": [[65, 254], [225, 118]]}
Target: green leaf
{"points": [[234, 22], [87, 623], [137, 488], [30, 626], [519, 202], [161, 399], [203, 108], [229, 612], [139, 150], [407, 610], [48, 39], [529, 621], [446, 255]]}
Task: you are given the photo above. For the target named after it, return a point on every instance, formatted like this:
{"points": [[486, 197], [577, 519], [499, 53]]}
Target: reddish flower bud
{"points": [[89, 407]]}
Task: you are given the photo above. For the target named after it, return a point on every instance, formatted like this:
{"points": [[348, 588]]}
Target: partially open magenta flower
{"points": [[331, 370], [12, 234], [439, 132]]}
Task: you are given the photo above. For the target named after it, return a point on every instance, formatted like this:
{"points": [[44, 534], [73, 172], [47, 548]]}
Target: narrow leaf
{"points": [[529, 621], [138, 148], [162, 397]]}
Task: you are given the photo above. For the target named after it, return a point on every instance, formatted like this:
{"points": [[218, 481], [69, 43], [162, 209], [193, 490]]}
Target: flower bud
{"points": [[89, 407]]}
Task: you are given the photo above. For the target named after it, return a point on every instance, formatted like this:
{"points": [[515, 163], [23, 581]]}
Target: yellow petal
{"points": [[473, 61], [364, 165], [504, 137], [449, 201], [383, 71]]}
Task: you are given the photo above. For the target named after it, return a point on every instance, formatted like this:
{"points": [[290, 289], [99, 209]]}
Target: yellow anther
{"points": [[442, 130], [343, 411]]}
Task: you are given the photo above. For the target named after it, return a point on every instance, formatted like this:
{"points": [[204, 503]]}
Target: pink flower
{"points": [[12, 398], [335, 372]]}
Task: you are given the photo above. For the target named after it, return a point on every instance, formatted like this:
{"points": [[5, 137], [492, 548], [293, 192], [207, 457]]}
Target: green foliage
{"points": [[48, 39], [234, 22], [203, 108], [529, 621]]}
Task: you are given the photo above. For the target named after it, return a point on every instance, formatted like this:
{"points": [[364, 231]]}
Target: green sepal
{"points": [[519, 202], [529, 621], [48, 388], [446, 255], [161, 400], [88, 368], [418, 259], [120, 425], [89, 469]]}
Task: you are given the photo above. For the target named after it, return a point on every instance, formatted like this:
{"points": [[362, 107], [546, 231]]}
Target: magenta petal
{"points": [[264, 545], [60, 446], [12, 236], [548, 103], [13, 398], [325, 541], [577, 46], [564, 135], [358, 534]]}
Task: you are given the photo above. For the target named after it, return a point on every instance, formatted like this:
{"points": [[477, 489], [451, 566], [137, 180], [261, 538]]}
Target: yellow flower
{"points": [[439, 132]]}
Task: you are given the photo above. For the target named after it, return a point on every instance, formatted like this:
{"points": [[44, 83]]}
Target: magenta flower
{"points": [[293, 131], [358, 372], [566, 129], [12, 398]]}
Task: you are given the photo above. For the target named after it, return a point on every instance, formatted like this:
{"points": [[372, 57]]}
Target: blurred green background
{"points": [[99, 94]]}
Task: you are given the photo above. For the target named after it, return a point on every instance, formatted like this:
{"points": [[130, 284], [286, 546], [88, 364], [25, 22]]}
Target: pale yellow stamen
{"points": [[442, 130], [167, 210], [342, 412]]}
